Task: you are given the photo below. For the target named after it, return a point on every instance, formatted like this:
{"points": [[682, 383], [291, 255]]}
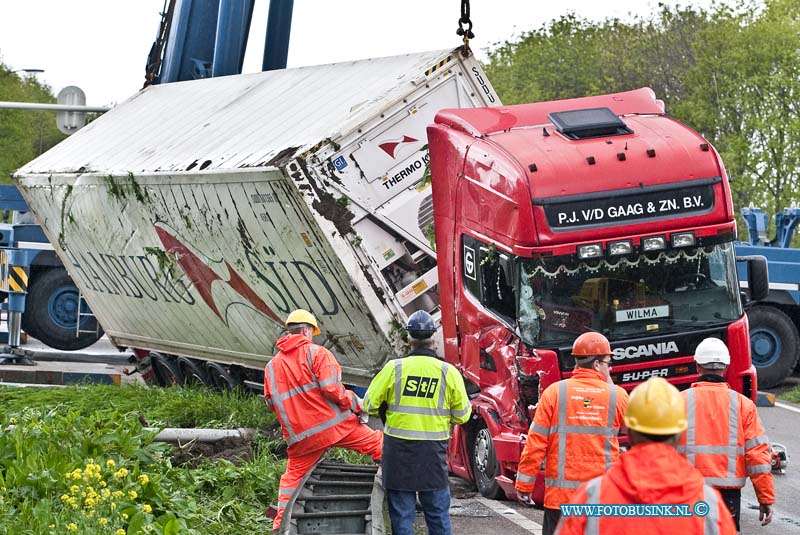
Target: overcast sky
{"points": [[102, 45]]}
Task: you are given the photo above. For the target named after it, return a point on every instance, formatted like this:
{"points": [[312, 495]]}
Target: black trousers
{"points": [[551, 518], [733, 499]]}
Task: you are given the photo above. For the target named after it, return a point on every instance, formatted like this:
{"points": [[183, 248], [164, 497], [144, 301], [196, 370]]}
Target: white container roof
{"points": [[234, 122]]}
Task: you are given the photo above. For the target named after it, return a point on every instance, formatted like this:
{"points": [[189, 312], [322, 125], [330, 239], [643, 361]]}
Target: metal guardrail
{"points": [[336, 498]]}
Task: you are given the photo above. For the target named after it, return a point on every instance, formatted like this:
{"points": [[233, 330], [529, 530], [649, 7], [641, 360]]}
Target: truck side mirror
{"points": [[757, 276]]}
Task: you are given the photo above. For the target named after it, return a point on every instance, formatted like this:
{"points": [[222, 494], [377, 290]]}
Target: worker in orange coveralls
{"points": [[574, 429], [652, 473], [725, 439], [303, 385]]}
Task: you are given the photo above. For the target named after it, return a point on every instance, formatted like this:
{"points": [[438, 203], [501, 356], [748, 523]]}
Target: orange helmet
{"points": [[591, 345]]}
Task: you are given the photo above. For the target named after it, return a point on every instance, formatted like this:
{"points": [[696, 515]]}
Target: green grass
{"points": [[792, 395], [159, 407], [60, 430]]}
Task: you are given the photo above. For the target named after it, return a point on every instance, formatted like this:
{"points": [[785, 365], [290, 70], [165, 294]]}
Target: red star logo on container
{"points": [[203, 277], [390, 147]]}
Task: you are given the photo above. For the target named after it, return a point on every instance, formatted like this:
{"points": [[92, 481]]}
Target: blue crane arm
{"points": [[205, 38]]}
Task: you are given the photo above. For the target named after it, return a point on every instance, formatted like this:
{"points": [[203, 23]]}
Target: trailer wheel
{"points": [[51, 312], [193, 372], [220, 377], [774, 345], [485, 467], [165, 369]]}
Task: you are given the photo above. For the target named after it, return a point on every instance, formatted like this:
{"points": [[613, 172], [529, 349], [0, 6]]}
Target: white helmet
{"points": [[712, 353]]}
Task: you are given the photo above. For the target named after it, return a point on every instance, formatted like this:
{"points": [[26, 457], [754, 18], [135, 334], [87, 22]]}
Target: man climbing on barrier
{"points": [[303, 385]]}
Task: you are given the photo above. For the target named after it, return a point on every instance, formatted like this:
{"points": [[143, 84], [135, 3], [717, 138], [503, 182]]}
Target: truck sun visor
{"points": [[588, 123]]}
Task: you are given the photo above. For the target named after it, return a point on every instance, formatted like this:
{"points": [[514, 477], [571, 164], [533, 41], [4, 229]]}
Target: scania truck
{"points": [[196, 215], [558, 218]]}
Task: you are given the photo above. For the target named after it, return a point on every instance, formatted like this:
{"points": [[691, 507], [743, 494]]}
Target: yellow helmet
{"points": [[302, 316], [656, 408]]}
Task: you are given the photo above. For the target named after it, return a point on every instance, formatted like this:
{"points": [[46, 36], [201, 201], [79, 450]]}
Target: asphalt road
{"points": [[781, 423]]}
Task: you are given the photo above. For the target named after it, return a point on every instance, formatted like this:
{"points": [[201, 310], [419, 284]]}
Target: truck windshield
{"points": [[654, 293]]}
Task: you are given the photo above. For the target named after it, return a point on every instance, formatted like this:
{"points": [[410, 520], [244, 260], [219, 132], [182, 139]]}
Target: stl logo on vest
{"points": [[420, 387], [587, 402]]}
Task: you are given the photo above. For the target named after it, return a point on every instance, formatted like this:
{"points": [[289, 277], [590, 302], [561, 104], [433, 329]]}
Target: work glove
{"points": [[765, 513], [524, 497]]}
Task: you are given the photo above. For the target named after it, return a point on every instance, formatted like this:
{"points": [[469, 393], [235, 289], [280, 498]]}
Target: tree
{"points": [[744, 92], [732, 72], [24, 134]]}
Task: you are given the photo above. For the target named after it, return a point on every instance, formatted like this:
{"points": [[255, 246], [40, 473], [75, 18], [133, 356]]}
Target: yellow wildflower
{"points": [[51, 526], [124, 516], [105, 493], [102, 484], [121, 473], [103, 521], [113, 506], [72, 526], [110, 463], [133, 494], [117, 494], [143, 479], [120, 531], [64, 498], [147, 508], [12, 420], [74, 489], [77, 473]]}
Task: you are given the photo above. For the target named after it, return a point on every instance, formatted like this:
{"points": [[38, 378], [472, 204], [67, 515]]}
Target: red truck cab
{"points": [[557, 218]]}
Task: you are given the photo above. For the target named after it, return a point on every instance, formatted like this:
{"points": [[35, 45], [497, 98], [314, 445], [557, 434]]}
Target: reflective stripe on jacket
{"points": [[645, 477], [574, 431], [725, 440], [423, 394], [303, 385]]}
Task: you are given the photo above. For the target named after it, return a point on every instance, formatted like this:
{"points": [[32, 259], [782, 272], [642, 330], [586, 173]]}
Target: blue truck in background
{"points": [[774, 321], [53, 307]]}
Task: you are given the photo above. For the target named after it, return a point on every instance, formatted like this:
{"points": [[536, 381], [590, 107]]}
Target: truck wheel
{"points": [[51, 312], [193, 372], [220, 377], [774, 344], [485, 467], [165, 369]]}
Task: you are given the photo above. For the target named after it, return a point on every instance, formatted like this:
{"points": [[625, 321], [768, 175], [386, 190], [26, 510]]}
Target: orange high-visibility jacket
{"points": [[725, 439], [303, 385], [574, 430], [648, 475]]}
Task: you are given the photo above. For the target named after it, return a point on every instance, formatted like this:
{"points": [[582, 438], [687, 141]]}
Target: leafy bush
{"points": [[77, 468], [167, 407]]}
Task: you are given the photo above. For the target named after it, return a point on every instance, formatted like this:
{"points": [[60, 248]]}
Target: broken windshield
{"points": [[654, 293]]}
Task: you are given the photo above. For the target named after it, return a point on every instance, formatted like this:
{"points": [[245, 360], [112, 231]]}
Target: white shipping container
{"points": [[195, 215]]}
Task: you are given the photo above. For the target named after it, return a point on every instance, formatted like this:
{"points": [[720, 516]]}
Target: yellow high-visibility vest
{"points": [[423, 394]]}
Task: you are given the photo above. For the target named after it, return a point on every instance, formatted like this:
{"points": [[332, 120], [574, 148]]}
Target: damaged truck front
{"points": [[196, 215], [598, 214]]}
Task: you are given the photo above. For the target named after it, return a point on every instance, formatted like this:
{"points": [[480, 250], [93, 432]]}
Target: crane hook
{"points": [[465, 24]]}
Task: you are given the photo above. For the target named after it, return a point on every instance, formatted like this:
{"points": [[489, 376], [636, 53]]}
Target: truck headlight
{"points": [[616, 248], [654, 243], [593, 250], [683, 239]]}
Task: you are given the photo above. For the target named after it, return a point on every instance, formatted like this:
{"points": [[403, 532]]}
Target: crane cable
{"points": [[463, 21]]}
